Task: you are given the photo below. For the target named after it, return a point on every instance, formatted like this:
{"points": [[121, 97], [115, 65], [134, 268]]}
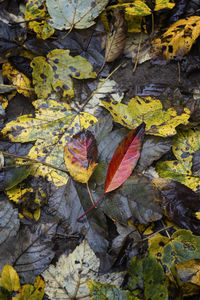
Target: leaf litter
{"points": [[116, 230]]}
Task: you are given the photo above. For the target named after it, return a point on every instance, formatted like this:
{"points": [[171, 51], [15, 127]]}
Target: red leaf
{"points": [[80, 156], [124, 159], [122, 163]]}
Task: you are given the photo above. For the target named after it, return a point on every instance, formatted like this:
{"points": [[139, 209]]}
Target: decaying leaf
{"points": [[185, 145], [17, 78], [147, 277], [180, 203], [181, 247], [163, 4], [77, 14], [9, 285], [149, 110], [136, 8], [68, 279], [80, 155], [179, 38], [53, 74], [116, 37], [52, 126], [36, 10]]}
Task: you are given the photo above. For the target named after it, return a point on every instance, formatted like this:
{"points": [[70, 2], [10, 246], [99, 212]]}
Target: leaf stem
{"points": [[35, 161], [88, 188], [17, 87], [93, 206]]}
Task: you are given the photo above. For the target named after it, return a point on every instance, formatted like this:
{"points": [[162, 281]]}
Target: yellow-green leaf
{"points": [[185, 145], [136, 8], [163, 4], [158, 121], [36, 10], [32, 292], [53, 74], [52, 127], [10, 279], [179, 38]]}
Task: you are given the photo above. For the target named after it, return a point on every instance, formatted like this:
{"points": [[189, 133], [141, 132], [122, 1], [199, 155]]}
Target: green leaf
{"points": [[148, 276], [100, 291], [186, 143], [76, 13], [35, 9], [51, 127], [149, 110], [181, 247], [53, 74]]}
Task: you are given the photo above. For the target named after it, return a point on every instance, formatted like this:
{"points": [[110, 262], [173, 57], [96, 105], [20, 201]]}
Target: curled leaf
{"points": [[80, 156]]}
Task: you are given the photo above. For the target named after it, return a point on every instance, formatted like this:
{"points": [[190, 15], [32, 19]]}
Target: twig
{"points": [[90, 195], [17, 87], [35, 161]]}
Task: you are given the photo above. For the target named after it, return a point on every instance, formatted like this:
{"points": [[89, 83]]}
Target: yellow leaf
{"points": [[158, 121], [32, 292], [10, 279], [186, 143], [36, 9], [52, 127], [136, 8], [163, 4], [179, 38], [17, 78], [54, 73]]}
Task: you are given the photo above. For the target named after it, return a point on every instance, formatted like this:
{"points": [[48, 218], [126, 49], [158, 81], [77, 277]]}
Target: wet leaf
{"points": [[148, 278], [75, 14], [180, 203], [9, 221], [179, 38], [149, 110], [32, 292], [9, 279], [30, 251], [124, 159], [53, 74], [68, 279], [116, 37], [136, 8], [100, 291], [51, 127], [181, 247], [17, 78], [185, 145], [36, 10], [80, 155]]}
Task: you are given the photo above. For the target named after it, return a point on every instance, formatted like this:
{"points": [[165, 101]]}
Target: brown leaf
{"points": [[116, 38]]}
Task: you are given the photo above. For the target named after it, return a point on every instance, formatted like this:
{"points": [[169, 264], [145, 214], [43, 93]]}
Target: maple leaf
{"points": [[150, 111]]}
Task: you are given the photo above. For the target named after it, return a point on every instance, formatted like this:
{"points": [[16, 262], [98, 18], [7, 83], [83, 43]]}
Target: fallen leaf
{"points": [[9, 279], [181, 247], [149, 110], [116, 37], [53, 73], [178, 39], [180, 203], [80, 155], [36, 10], [124, 159], [147, 277], [17, 78], [68, 279], [52, 126], [74, 14], [32, 292], [163, 4], [185, 145]]}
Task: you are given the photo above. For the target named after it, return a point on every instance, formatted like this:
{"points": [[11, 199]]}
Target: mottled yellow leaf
{"points": [[10, 279], [158, 121], [36, 10], [32, 292], [17, 78], [54, 73], [179, 38], [163, 4], [186, 143]]}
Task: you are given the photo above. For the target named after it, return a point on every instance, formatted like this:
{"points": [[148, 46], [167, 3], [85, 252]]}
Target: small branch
{"points": [[88, 188], [17, 87], [35, 161], [93, 206]]}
